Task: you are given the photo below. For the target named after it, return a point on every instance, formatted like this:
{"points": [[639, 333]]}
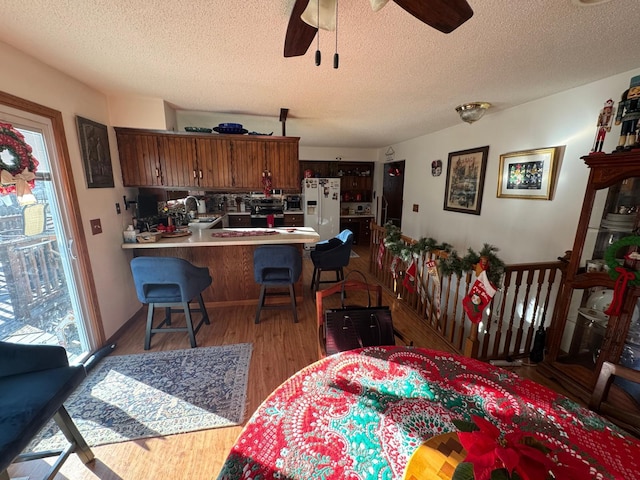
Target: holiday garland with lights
{"points": [[453, 264]]}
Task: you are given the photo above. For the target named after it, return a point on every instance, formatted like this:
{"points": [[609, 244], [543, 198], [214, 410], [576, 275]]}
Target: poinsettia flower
{"points": [[488, 450]]}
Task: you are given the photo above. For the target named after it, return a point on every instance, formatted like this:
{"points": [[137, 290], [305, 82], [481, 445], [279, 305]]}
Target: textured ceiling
{"points": [[398, 78]]}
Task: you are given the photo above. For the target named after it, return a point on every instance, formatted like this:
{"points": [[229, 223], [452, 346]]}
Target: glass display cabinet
{"points": [[582, 336]]}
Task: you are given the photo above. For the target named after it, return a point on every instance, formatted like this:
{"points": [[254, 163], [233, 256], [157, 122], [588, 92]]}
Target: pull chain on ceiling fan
{"points": [[309, 15], [323, 15]]}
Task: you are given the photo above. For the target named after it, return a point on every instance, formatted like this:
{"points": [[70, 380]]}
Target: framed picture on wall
{"points": [[465, 180], [96, 157], [528, 174]]}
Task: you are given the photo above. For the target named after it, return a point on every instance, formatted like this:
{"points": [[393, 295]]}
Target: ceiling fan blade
{"points": [[299, 34], [443, 15]]}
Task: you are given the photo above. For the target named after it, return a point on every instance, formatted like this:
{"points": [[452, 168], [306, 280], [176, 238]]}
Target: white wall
{"points": [[138, 112], [34, 81], [267, 125], [523, 230]]}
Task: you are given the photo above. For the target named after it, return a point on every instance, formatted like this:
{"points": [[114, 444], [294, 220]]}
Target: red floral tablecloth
{"points": [[361, 414]]}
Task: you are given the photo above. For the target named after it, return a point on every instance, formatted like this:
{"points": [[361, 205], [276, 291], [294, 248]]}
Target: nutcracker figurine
{"points": [[605, 119], [628, 114]]}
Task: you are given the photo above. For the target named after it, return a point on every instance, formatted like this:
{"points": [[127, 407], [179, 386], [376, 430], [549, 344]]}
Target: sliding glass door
{"points": [[43, 290]]}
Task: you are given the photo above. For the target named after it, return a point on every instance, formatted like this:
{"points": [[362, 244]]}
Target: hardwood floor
{"points": [[280, 348]]}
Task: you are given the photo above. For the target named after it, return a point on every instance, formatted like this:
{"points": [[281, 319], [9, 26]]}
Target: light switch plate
{"points": [[415, 207], [96, 226]]}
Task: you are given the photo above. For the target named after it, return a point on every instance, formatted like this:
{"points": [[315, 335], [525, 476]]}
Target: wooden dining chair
{"points": [[598, 403]]}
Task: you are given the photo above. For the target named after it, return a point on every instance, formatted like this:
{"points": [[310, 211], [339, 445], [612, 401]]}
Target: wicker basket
{"points": [[148, 237]]}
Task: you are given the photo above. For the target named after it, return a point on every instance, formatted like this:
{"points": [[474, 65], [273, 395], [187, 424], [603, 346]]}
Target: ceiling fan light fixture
{"points": [[472, 112], [325, 10]]}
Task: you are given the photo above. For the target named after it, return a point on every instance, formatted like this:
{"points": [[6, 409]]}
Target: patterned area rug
{"points": [[154, 394]]}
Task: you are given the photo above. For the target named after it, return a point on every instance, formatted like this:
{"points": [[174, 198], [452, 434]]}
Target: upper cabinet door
{"points": [[178, 160], [214, 161], [139, 159], [248, 163], [281, 159]]}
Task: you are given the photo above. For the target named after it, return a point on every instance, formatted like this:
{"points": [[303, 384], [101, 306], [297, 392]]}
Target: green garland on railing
{"points": [[453, 264]]}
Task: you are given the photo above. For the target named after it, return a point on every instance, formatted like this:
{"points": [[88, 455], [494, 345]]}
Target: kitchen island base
{"points": [[231, 268], [228, 254]]}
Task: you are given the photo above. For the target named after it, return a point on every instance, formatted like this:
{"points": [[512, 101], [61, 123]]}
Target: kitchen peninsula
{"points": [[228, 253]]}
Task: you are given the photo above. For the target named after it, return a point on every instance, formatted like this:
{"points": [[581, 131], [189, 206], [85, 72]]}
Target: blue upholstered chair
{"points": [[331, 255], [171, 283], [276, 266], [34, 381]]}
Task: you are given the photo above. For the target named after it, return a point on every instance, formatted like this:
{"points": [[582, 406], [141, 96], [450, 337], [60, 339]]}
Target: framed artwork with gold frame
{"points": [[529, 174]]}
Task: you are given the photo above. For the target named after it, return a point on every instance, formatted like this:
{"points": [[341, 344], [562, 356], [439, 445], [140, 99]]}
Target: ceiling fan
{"points": [[307, 15]]}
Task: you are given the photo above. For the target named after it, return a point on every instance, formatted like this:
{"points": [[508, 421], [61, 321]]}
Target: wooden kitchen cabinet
{"points": [[581, 336], [360, 226], [248, 162], [253, 158], [356, 178], [239, 221], [179, 161], [214, 162], [281, 159], [293, 220], [154, 158], [139, 158]]}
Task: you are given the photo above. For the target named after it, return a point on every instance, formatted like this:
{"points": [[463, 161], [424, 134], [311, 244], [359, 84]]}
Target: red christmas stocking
{"points": [[478, 297], [380, 254], [409, 281]]}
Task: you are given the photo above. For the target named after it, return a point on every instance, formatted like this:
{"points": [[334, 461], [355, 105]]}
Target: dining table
{"points": [[363, 414]]}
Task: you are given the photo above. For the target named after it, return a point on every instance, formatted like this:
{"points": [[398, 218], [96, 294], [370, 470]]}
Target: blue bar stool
{"points": [[276, 266], [171, 283]]}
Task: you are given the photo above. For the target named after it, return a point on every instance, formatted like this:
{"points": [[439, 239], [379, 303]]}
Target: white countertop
{"points": [[358, 215], [204, 238]]}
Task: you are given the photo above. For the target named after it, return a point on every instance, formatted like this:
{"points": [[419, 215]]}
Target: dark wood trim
{"points": [[70, 203]]}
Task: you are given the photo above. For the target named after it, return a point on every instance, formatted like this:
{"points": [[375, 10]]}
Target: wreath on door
{"points": [[17, 164]]}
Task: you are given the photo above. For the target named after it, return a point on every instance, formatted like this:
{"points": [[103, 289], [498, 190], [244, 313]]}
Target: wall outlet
{"points": [[118, 211], [415, 207], [96, 226]]}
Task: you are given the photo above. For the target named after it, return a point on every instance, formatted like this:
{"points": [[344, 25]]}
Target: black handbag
{"points": [[352, 327]]}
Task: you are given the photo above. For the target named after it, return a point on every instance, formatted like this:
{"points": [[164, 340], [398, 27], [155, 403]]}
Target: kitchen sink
{"points": [[203, 222]]}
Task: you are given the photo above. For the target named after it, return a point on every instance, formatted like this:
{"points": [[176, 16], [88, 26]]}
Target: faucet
{"points": [[186, 210]]}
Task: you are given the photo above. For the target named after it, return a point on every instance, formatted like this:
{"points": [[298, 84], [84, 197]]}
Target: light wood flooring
{"points": [[280, 348]]}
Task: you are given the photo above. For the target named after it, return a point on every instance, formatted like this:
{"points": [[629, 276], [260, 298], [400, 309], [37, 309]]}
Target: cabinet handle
{"points": [[157, 172], [195, 174], [200, 173]]}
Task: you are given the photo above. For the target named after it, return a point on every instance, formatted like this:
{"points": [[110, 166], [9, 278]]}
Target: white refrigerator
{"points": [[321, 205]]}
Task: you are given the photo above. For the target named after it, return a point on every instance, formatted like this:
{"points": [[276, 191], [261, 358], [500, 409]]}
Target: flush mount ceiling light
{"points": [[471, 112], [588, 3]]}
